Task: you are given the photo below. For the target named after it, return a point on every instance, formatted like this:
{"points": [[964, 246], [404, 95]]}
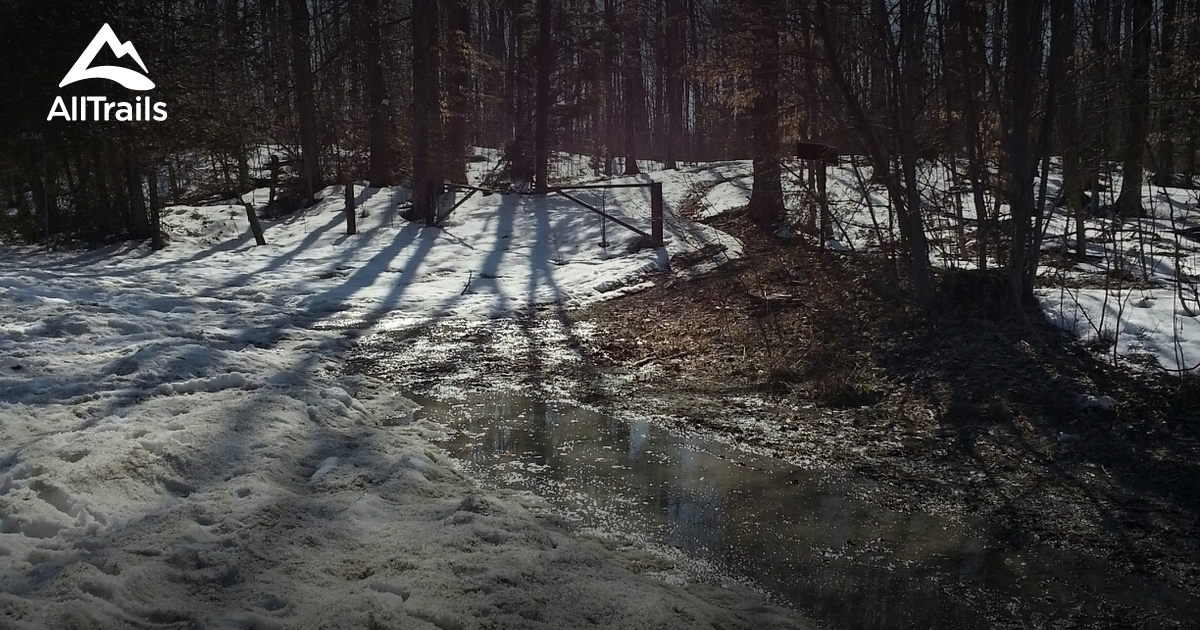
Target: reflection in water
{"points": [[812, 539]]}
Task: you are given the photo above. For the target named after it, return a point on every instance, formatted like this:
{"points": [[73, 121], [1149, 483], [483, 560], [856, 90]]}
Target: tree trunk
{"points": [[912, 223], [305, 99], [542, 131], [674, 81], [610, 71], [1165, 166], [522, 167], [1069, 130], [348, 189], [156, 237], [766, 195], [379, 168], [632, 84], [1129, 203], [973, 65], [457, 128], [427, 177], [139, 221], [1061, 43], [104, 202], [1024, 28], [243, 166]]}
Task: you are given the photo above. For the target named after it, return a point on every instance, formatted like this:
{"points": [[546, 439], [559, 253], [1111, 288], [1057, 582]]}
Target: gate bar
{"points": [[583, 186], [656, 204], [600, 212]]}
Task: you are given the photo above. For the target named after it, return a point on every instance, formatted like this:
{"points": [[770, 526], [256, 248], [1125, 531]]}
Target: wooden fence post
{"points": [[656, 214], [351, 227], [274, 184], [254, 226], [156, 239], [826, 219]]}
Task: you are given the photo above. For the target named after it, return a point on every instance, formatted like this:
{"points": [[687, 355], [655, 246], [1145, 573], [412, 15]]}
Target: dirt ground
{"points": [[971, 409], [967, 411]]}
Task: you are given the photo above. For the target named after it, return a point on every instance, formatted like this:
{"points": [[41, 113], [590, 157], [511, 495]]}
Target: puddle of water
{"points": [[813, 540]]}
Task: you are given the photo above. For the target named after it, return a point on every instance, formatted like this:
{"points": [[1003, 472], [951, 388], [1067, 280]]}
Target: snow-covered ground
{"points": [[1137, 295], [181, 447]]}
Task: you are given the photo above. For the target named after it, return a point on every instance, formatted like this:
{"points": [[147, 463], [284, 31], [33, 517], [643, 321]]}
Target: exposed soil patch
{"points": [[968, 410]]}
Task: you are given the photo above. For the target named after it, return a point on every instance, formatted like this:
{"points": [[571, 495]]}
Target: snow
{"points": [[726, 196], [1160, 252], [1150, 322], [1136, 296], [181, 447], [1155, 319]]}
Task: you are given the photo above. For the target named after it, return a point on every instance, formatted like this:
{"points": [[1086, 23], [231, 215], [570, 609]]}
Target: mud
{"points": [[1102, 498]]}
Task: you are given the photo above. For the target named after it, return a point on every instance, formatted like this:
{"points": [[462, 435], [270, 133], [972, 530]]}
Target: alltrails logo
{"points": [[143, 108]]}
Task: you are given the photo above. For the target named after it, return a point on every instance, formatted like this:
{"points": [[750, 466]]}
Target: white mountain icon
{"points": [[129, 78]]}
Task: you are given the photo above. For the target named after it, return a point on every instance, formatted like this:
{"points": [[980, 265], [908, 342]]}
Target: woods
{"points": [[396, 92], [600, 313]]}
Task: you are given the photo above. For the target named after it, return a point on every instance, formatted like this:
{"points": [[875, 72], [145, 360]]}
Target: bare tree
{"points": [[545, 60], [1129, 203], [632, 87], [766, 197], [379, 170], [1025, 20], [427, 174], [305, 99], [458, 90]]}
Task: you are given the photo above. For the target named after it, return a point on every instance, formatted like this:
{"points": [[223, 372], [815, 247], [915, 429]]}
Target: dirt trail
{"points": [[966, 416]]}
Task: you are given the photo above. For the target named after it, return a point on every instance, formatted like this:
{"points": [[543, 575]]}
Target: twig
{"points": [[470, 276]]}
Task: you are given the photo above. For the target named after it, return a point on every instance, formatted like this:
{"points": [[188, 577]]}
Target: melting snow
{"points": [[179, 446]]}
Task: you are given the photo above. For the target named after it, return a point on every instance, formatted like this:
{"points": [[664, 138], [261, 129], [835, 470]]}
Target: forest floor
{"points": [[969, 410]]}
